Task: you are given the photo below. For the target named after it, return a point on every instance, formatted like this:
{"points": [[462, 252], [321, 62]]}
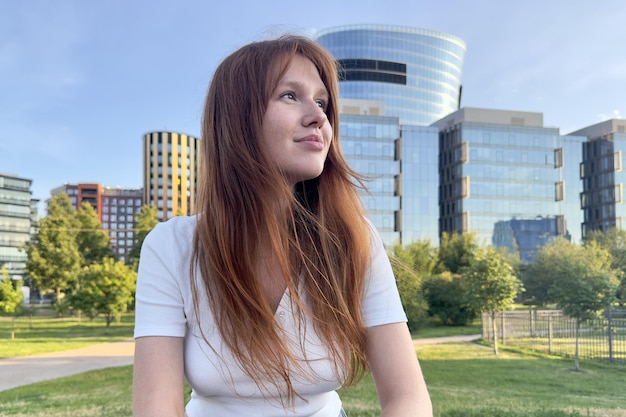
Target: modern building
{"points": [[419, 184], [508, 179], [394, 82], [170, 172], [370, 144], [119, 217], [603, 175], [18, 218], [116, 209], [83, 193], [415, 72]]}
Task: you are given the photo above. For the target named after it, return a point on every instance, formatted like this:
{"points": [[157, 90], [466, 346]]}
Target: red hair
{"points": [[318, 232]]}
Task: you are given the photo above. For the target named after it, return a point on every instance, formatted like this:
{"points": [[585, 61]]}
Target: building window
{"points": [[558, 158], [559, 191], [372, 70], [466, 222], [465, 187]]}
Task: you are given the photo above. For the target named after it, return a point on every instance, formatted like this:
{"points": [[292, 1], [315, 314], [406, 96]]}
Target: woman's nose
{"points": [[314, 114]]}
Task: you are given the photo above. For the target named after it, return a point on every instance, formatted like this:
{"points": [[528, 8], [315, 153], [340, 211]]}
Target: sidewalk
{"points": [[449, 339], [16, 372]]}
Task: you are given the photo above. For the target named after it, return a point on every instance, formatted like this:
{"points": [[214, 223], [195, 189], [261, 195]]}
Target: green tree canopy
{"points": [[147, 219], [614, 240], [93, 242], [447, 299], [411, 265], [584, 281], [584, 284], [53, 258], [456, 252], [490, 284], [104, 289], [10, 293], [539, 277]]}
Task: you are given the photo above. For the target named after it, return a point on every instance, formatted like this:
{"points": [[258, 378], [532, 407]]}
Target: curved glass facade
{"points": [[415, 72]]}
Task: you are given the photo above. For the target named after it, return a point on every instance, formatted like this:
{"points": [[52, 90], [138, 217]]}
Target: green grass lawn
{"points": [[24, 336], [465, 380], [445, 331]]}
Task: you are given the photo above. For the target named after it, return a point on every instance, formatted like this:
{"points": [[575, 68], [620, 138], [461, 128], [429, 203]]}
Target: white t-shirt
{"points": [[164, 307]]}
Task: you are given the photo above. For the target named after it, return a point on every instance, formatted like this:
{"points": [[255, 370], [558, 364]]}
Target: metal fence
{"points": [[549, 331]]}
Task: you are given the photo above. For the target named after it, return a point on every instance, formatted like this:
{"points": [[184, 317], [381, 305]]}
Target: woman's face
{"points": [[296, 133]]}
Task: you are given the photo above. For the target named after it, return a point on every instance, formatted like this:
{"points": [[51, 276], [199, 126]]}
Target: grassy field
{"points": [[465, 380], [43, 333]]}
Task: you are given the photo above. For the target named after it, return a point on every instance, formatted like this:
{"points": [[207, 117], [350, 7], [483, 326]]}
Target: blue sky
{"points": [[81, 81]]}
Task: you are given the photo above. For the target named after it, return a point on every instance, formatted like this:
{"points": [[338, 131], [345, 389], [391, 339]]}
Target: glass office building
{"points": [[18, 217], [370, 143], [506, 178], [603, 175], [400, 165], [419, 182], [394, 82], [415, 72]]}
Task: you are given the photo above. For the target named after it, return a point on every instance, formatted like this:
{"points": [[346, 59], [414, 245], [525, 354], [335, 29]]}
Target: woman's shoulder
{"points": [[177, 229]]}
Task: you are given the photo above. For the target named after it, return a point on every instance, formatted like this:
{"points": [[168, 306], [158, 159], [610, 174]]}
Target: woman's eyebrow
{"points": [[296, 84]]}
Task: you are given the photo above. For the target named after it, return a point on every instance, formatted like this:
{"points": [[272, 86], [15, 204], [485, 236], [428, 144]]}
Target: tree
{"points": [[147, 219], [614, 240], [93, 242], [447, 300], [53, 258], [10, 293], [538, 278], [455, 252], [105, 289], [490, 285], [411, 264], [584, 284]]}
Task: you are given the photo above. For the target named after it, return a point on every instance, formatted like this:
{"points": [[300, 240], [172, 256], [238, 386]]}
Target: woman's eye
{"points": [[321, 104], [290, 96]]}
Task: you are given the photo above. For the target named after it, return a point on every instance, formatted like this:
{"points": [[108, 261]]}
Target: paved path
{"points": [[16, 372], [449, 339]]}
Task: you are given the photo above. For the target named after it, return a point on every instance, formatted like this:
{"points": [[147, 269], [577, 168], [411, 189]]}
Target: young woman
{"points": [[279, 291]]}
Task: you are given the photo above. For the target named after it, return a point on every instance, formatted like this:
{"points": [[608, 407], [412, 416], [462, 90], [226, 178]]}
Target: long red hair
{"points": [[318, 232]]}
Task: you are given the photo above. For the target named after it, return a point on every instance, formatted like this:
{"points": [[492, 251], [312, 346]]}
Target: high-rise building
{"points": [[119, 217], [116, 209], [170, 172], [603, 175], [508, 179], [415, 72], [419, 184], [18, 217], [394, 82], [400, 165], [83, 193], [370, 144]]}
